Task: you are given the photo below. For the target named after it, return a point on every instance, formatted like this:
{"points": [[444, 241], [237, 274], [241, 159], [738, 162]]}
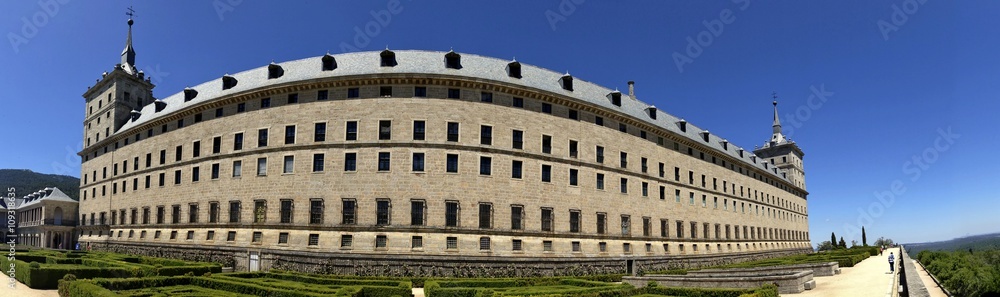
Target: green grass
{"points": [[42, 269]]}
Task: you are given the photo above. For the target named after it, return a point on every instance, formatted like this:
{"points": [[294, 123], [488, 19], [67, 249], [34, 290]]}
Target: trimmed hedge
{"points": [[85, 266]]}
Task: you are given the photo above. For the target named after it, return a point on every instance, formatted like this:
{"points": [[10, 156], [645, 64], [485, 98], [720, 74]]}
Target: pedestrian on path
{"points": [[892, 263]]}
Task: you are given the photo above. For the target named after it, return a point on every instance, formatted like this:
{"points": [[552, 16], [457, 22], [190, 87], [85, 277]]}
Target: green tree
{"points": [[864, 238], [833, 238], [842, 244], [824, 246]]}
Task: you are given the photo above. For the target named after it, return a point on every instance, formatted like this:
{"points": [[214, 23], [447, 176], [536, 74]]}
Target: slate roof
{"points": [[433, 63], [47, 194]]}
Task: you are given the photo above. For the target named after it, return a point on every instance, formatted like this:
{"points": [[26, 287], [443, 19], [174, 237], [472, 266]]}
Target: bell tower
{"points": [[115, 95], [782, 152]]}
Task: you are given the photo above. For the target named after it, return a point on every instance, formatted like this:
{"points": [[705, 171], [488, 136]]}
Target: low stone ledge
{"points": [[788, 283], [818, 269], [909, 279]]}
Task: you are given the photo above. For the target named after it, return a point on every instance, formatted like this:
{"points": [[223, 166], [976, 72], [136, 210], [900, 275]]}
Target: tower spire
{"points": [[128, 54], [776, 127]]}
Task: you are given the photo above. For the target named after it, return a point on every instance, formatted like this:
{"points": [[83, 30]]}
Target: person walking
{"points": [[892, 263]]}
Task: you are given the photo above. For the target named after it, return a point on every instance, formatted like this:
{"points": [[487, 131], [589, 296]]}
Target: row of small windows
{"points": [[419, 129], [418, 161], [485, 243], [452, 218]]}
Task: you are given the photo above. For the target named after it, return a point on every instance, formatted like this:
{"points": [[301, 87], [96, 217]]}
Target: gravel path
{"points": [[871, 277], [20, 290]]}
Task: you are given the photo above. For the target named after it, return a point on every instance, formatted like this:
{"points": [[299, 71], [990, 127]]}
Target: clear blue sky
{"points": [[885, 96]]}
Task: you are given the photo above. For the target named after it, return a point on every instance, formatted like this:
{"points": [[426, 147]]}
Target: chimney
{"points": [[631, 89]]}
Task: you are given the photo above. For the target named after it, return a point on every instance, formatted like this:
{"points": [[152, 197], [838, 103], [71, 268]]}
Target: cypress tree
{"points": [[864, 238]]}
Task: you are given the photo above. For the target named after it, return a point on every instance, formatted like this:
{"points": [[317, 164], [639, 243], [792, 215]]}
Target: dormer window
{"points": [[453, 60], [514, 69], [615, 97], [740, 152], [567, 82], [704, 135], [329, 63], [189, 94], [228, 82], [684, 125], [652, 112], [274, 71], [135, 116], [388, 58], [725, 145], [159, 105]]}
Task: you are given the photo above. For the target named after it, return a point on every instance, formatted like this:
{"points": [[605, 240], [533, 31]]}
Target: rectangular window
{"points": [[515, 169], [383, 161], [318, 162], [218, 112], [237, 168], [290, 134], [313, 239], [600, 154], [417, 208], [237, 142], [175, 214], [177, 177], [195, 175], [516, 217], [383, 212], [384, 130], [517, 102], [293, 98], [451, 243], [419, 130], [454, 93], [215, 171], [385, 91], [486, 135], [322, 95], [350, 161], [546, 144], [624, 185], [216, 147], [417, 242], [624, 160], [517, 139], [547, 108], [622, 128], [381, 241], [642, 165], [286, 211], [452, 131], [289, 164], [265, 103], [420, 92], [547, 173], [159, 215], [626, 226], [664, 229], [645, 189], [573, 114], [178, 153], [677, 196], [259, 211], [662, 171], [230, 236], [573, 149], [193, 213], [418, 162], [346, 241], [574, 221], [261, 166], [485, 216], [486, 97], [353, 93], [485, 165], [213, 212], [484, 244], [319, 132], [196, 149], [546, 219], [646, 227], [163, 159], [262, 137], [663, 193], [349, 210], [451, 214], [573, 177], [600, 181], [352, 130], [452, 163], [316, 211]]}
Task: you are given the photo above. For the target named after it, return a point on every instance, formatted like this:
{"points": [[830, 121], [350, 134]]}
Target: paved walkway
{"points": [[21, 290], [929, 282], [871, 277]]}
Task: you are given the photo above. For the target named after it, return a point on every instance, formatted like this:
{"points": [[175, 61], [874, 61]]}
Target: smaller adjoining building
{"points": [[47, 219]]}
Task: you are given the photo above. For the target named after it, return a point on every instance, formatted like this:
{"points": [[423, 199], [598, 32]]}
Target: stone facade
{"points": [[47, 219], [411, 165]]}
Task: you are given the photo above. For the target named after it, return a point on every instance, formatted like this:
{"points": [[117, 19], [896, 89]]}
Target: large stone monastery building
{"points": [[423, 157]]}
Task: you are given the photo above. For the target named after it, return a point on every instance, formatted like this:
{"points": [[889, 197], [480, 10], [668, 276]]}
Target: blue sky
{"points": [[890, 80]]}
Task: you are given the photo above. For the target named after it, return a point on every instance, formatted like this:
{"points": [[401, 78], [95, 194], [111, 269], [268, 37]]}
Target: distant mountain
{"points": [[26, 182], [975, 242]]}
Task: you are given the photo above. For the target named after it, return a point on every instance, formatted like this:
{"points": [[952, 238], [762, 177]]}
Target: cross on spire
{"points": [[128, 54], [130, 13]]}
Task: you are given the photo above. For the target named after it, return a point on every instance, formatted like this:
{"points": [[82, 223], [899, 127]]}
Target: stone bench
{"points": [[788, 282], [818, 269]]}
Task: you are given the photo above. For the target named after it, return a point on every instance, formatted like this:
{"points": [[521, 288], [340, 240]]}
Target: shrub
{"points": [[64, 284], [35, 265]]}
